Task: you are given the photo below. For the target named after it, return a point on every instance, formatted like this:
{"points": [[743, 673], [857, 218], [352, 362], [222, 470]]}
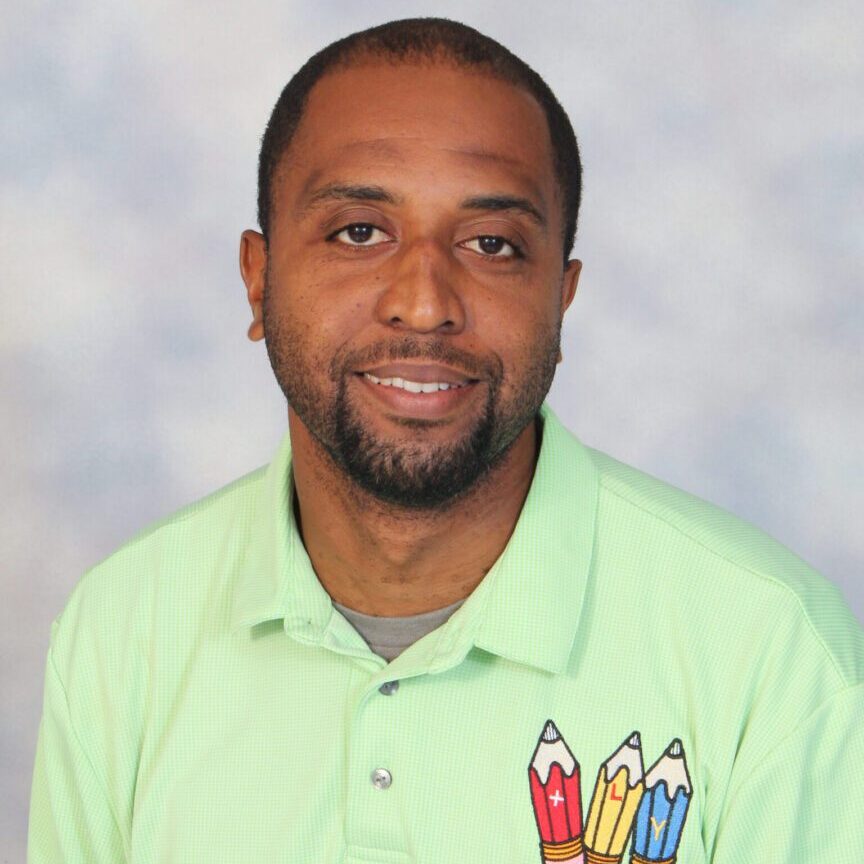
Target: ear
{"points": [[570, 282], [568, 288], [253, 267]]}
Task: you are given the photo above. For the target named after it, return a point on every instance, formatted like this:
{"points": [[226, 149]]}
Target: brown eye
{"points": [[491, 245], [494, 246], [360, 234]]}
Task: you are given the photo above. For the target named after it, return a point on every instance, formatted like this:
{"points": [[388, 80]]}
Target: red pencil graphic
{"points": [[557, 798]]}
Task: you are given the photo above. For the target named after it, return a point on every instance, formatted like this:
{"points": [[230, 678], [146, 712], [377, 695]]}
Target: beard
{"points": [[413, 474]]}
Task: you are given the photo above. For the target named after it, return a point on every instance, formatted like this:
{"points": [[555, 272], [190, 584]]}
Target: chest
{"points": [[298, 760]]}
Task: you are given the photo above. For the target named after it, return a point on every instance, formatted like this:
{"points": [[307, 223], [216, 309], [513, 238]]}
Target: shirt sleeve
{"points": [[71, 819], [804, 801]]}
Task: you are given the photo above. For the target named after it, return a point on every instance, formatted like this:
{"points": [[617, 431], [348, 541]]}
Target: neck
{"points": [[390, 561]]}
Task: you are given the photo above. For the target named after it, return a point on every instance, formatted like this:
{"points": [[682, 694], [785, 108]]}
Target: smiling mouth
{"points": [[416, 386]]}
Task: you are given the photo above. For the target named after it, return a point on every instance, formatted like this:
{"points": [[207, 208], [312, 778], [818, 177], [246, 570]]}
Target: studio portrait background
{"points": [[715, 340]]}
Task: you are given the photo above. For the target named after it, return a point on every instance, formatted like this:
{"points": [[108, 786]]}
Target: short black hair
{"points": [[410, 40]]}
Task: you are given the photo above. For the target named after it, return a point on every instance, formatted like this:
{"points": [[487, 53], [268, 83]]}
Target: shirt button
{"points": [[381, 778], [388, 688]]}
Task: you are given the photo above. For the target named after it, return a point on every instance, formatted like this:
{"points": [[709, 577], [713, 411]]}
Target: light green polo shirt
{"points": [[639, 674]]}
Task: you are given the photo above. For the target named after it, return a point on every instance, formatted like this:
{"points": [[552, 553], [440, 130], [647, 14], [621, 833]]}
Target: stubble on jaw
{"points": [[415, 476]]}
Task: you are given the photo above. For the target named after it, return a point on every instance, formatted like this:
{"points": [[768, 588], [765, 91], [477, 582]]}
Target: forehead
{"points": [[414, 118]]}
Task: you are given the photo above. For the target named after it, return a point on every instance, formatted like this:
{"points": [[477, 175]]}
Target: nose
{"points": [[422, 294]]}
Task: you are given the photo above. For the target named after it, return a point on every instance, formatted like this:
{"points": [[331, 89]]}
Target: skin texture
{"points": [[413, 291]]}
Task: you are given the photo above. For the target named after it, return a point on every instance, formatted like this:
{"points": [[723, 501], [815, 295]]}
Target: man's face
{"points": [[415, 245]]}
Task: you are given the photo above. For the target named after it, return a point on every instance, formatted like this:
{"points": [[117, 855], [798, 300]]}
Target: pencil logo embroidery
{"points": [[627, 804], [555, 792], [657, 828], [661, 814], [617, 793]]}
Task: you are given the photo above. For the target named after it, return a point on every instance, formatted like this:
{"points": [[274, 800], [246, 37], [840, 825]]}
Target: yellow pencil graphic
{"points": [[619, 788]]}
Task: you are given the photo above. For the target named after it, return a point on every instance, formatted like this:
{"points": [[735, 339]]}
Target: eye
{"points": [[493, 246], [359, 234]]}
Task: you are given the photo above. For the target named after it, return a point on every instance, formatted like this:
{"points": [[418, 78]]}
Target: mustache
{"points": [[435, 350]]}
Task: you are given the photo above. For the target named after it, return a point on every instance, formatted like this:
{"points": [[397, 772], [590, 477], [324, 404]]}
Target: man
{"points": [[437, 628]]}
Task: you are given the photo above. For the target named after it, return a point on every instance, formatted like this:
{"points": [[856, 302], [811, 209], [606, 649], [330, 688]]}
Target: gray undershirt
{"points": [[389, 636]]}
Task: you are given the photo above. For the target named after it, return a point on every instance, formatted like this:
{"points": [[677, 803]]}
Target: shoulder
{"points": [[225, 504], [166, 569], [737, 565]]}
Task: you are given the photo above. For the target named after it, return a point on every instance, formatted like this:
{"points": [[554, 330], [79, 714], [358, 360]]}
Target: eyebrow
{"points": [[348, 192], [357, 192], [505, 202]]}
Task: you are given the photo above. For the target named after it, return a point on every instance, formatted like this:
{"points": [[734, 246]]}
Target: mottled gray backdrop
{"points": [[715, 340]]}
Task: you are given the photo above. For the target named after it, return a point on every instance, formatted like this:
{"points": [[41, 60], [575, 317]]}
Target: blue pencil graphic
{"points": [[663, 809]]}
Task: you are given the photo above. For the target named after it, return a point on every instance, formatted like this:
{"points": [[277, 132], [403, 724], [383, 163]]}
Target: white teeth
{"points": [[413, 386]]}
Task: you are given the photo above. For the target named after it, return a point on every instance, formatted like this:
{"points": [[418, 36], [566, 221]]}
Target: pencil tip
{"points": [[550, 732], [635, 740], [675, 748]]}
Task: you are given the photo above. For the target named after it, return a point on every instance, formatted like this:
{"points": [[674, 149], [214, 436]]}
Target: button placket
{"points": [[373, 805]]}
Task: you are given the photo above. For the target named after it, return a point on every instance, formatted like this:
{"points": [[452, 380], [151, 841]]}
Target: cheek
{"points": [[318, 315], [516, 330]]}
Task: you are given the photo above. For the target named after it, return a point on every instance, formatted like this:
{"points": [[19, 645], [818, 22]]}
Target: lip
{"points": [[439, 406], [421, 373]]}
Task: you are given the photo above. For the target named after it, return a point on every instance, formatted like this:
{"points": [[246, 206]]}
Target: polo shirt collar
{"points": [[528, 605], [275, 579]]}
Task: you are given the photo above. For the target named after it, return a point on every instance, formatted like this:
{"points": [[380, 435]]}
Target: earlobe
{"points": [[253, 268], [255, 333]]}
